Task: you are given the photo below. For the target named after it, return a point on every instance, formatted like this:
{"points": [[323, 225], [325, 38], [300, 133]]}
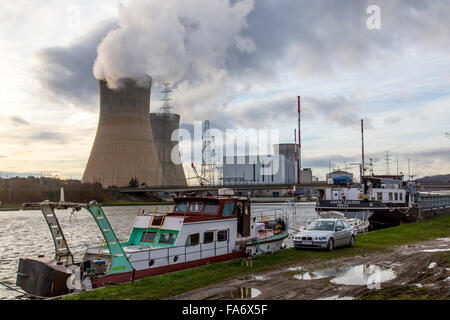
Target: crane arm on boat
{"points": [[119, 260]]}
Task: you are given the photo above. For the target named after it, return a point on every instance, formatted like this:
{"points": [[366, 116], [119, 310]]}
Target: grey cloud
{"points": [[50, 136], [66, 72], [19, 121], [307, 38]]}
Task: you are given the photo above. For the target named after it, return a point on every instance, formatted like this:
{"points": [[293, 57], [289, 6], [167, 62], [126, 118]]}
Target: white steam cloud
{"points": [[173, 40]]}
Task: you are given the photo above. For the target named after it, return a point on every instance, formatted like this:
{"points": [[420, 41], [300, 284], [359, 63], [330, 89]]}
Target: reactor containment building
{"points": [[132, 143]]}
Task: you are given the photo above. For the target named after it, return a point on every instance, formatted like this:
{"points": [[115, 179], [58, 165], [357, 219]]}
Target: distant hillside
{"points": [[438, 178]]}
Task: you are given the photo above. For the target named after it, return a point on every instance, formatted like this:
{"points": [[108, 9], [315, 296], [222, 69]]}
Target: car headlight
{"points": [[322, 238]]}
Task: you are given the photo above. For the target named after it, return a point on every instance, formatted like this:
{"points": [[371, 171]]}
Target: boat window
{"points": [[196, 207], [401, 196], [390, 196], [181, 207], [148, 237], [167, 238], [396, 196], [346, 225], [228, 209], [211, 208], [193, 239], [208, 237], [379, 196], [222, 235]]}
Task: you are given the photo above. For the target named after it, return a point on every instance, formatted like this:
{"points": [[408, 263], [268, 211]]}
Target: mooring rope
{"points": [[11, 288]]}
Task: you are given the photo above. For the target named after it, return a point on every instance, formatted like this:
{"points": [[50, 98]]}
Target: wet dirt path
{"points": [[424, 265]]}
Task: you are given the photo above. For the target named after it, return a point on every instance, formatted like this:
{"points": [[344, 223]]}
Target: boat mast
{"points": [[299, 159], [362, 148]]}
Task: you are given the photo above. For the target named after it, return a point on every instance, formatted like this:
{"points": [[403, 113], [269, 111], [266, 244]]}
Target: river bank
{"points": [[381, 248]]}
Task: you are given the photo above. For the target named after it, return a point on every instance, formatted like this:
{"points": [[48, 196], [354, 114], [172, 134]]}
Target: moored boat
{"points": [[197, 231]]}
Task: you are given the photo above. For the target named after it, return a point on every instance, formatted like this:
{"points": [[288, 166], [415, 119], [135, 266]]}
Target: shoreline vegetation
{"points": [[19, 206], [172, 284]]}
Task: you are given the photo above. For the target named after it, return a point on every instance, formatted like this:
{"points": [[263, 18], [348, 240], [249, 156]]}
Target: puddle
{"points": [[295, 268], [443, 239], [245, 293], [435, 250], [336, 298], [357, 275], [364, 275], [312, 275], [432, 265], [261, 278]]}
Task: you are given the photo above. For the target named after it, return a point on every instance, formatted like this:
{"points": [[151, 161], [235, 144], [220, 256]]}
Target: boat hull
{"points": [[140, 274], [42, 277], [267, 245]]}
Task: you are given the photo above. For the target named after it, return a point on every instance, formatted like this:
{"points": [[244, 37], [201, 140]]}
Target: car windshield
{"points": [[321, 225]]}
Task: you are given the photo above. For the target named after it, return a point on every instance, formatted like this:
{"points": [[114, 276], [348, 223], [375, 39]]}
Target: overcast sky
{"points": [[240, 64]]}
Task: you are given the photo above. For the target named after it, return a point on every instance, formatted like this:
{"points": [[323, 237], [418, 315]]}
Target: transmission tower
{"points": [[387, 159], [208, 155], [165, 98], [371, 166]]}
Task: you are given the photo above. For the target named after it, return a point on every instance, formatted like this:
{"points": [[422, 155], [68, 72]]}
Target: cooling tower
{"points": [[123, 147], [163, 125]]}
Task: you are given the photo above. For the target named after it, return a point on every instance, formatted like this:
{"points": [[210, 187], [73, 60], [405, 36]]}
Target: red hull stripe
{"points": [[126, 276]]}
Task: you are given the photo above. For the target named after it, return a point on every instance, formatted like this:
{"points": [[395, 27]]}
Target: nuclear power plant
{"points": [[163, 125], [132, 143]]}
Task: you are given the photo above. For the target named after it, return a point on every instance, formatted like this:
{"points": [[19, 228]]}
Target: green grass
{"points": [[167, 285]]}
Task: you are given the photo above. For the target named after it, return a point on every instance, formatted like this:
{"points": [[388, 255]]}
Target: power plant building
{"points": [[291, 152], [125, 146], [270, 169]]}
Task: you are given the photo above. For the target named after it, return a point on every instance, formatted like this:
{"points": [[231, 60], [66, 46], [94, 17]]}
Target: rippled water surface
{"points": [[26, 234]]}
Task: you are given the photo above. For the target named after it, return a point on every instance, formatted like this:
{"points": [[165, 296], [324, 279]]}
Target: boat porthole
{"points": [[175, 259], [151, 262]]}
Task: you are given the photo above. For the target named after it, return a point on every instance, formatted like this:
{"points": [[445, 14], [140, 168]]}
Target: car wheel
{"points": [[330, 245], [352, 241]]}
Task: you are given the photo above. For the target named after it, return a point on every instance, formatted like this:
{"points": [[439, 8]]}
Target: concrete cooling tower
{"points": [[163, 125], [123, 147]]}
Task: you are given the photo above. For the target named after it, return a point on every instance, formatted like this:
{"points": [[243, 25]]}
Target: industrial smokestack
{"points": [[123, 147]]}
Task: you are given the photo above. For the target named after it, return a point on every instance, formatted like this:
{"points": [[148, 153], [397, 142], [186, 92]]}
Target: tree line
{"points": [[18, 190]]}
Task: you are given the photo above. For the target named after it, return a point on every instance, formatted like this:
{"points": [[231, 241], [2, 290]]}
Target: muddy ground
{"points": [[408, 272]]}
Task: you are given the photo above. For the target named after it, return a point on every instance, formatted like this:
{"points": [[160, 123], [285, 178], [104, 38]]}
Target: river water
{"points": [[26, 234]]}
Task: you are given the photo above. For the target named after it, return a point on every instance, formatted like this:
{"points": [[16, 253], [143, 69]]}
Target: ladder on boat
{"points": [[160, 225], [62, 251]]}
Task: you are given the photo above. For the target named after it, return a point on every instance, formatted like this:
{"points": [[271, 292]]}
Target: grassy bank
{"points": [[176, 283]]}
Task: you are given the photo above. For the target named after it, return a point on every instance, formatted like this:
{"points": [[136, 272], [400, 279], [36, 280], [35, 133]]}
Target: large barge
{"points": [[384, 200]]}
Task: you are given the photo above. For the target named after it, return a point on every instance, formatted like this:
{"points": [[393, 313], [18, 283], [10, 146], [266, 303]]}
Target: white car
{"points": [[326, 234]]}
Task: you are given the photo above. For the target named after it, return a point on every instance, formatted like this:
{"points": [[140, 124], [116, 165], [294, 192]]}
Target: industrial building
{"points": [[279, 168], [274, 169], [125, 144], [291, 152]]}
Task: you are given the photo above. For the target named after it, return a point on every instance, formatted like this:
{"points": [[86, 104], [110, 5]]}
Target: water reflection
{"points": [[244, 293], [364, 274]]}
